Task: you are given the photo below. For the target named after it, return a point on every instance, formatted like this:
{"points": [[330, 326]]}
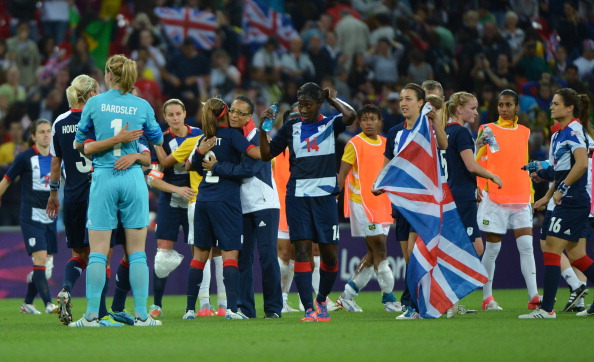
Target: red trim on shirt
{"points": [[7, 178], [570, 122], [249, 148], [320, 117], [35, 149], [88, 140], [248, 127], [75, 110], [174, 135], [454, 122]]}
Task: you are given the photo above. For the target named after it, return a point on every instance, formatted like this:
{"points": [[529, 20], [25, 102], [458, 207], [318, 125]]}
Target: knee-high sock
{"points": [[102, 306], [552, 275], [489, 257], [315, 276], [72, 272], [359, 281], [122, 287], [40, 281], [204, 293], [221, 291], [586, 265], [139, 282], [571, 279], [31, 289], [158, 289], [195, 274], [303, 281], [328, 275], [231, 278], [95, 283], [527, 263]]}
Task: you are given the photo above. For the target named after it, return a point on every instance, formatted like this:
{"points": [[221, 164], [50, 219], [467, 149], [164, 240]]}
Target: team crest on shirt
{"points": [[485, 222], [32, 242], [469, 230], [371, 227]]}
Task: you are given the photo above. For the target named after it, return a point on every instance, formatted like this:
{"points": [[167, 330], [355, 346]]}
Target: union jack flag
{"points": [[261, 21], [446, 267], [180, 23]]}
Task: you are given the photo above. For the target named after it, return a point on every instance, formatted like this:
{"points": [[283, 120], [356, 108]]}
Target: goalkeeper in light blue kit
{"points": [[117, 189]]}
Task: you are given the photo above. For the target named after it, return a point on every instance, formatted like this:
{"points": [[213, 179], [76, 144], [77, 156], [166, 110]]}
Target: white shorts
{"points": [[498, 218], [283, 234], [191, 208], [360, 225]]}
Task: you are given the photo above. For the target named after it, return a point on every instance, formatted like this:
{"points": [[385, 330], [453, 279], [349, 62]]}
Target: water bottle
{"points": [[490, 139], [269, 121], [533, 166]]}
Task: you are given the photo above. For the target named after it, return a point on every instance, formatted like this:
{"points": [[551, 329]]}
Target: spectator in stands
{"points": [[572, 30], [186, 74], [12, 90], [295, 64], [529, 64], [266, 67], [384, 29], [224, 77], [55, 19], [502, 75], [418, 69], [25, 53], [156, 60], [493, 43], [511, 33], [131, 39], [147, 88], [572, 80], [360, 72], [353, 34], [383, 60], [321, 59], [81, 61], [585, 63], [15, 144], [560, 62]]}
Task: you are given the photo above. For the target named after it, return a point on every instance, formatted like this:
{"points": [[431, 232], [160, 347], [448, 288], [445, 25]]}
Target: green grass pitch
{"points": [[373, 335]]}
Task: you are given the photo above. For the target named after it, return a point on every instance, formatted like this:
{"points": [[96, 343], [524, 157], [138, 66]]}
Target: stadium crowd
{"points": [[369, 51]]}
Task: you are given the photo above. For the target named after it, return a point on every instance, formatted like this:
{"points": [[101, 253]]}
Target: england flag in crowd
{"points": [[444, 266], [180, 23], [261, 21]]}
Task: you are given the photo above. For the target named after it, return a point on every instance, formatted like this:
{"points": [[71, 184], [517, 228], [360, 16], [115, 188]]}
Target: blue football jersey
{"points": [[312, 155], [34, 169], [461, 181], [75, 166], [229, 147], [563, 144], [107, 113]]}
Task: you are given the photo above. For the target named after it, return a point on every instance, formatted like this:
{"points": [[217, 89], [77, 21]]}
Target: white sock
{"points": [[360, 280], [571, 279], [285, 298], [284, 274], [315, 276], [489, 257], [290, 276], [204, 293], [527, 263], [385, 277], [221, 291]]}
